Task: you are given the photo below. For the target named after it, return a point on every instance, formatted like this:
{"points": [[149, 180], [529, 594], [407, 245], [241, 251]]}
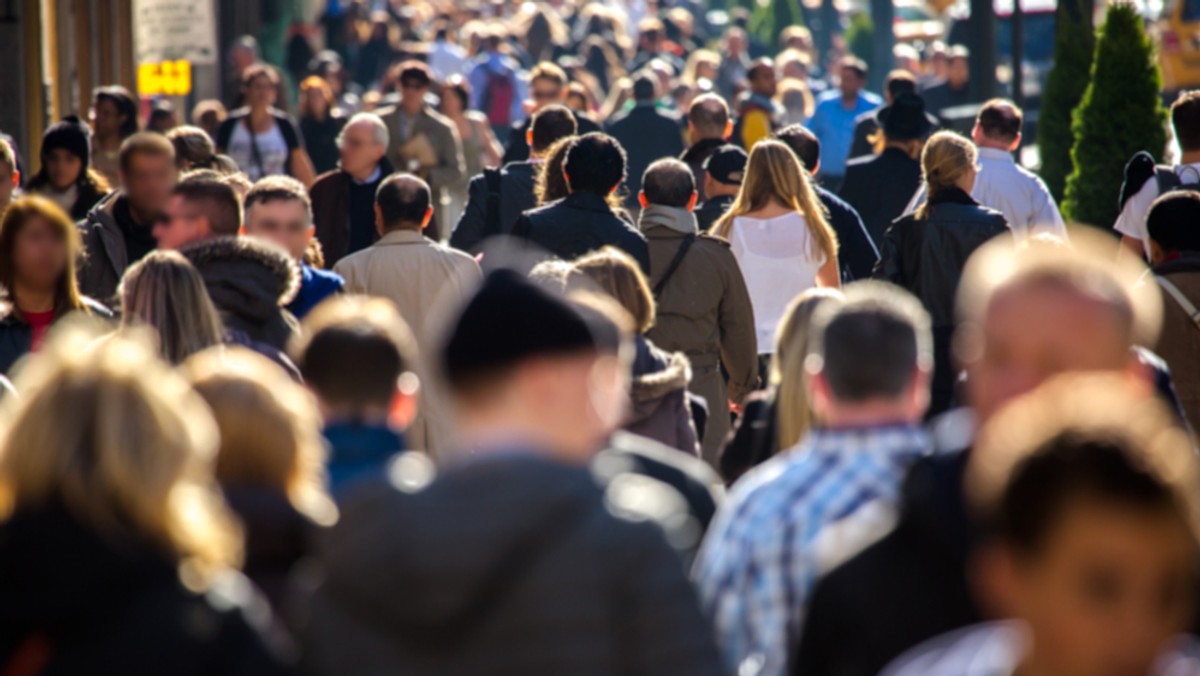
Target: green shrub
{"points": [[1074, 42], [860, 37]]}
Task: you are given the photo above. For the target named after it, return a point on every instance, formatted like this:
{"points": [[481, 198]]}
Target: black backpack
{"points": [[1141, 167]]}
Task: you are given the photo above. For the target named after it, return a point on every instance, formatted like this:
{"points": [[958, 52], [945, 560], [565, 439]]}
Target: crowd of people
{"points": [[551, 341]]}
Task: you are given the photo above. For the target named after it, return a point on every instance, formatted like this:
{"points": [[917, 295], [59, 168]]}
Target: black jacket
{"points": [[578, 224], [277, 536], [505, 565], [16, 336], [330, 195], [695, 157], [711, 211], [116, 606], [515, 197], [857, 253], [755, 438], [517, 149], [879, 188], [250, 282], [647, 134], [865, 125]]}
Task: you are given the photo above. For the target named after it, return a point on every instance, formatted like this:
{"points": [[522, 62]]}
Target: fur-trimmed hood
{"points": [[657, 373]]}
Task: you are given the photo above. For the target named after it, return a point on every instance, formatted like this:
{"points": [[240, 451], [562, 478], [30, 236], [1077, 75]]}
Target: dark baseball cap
{"points": [[727, 165]]}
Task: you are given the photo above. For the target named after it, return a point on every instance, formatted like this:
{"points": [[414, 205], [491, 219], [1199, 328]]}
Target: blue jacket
{"points": [[315, 286], [358, 452]]}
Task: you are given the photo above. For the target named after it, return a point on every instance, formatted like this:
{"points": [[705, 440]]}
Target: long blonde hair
{"points": [[163, 291], [946, 157], [787, 366], [269, 428], [134, 454], [773, 173]]}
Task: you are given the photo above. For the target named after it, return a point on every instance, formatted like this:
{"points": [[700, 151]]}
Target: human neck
{"points": [[1190, 157], [107, 141], [259, 114], [33, 300], [141, 217], [849, 99], [405, 227], [871, 413], [985, 142], [364, 174]]}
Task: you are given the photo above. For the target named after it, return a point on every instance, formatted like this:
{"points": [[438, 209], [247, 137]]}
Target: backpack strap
{"points": [[1187, 305], [491, 224], [1167, 179], [679, 254]]}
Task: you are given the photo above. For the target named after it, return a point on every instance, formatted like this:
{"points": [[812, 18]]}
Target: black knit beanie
{"points": [[71, 135]]}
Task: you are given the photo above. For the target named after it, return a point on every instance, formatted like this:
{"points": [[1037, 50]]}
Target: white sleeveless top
{"points": [[779, 260]]}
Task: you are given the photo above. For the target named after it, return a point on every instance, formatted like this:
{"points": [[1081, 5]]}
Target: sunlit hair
{"points": [[615, 273], [550, 184], [946, 158], [774, 174], [318, 83], [20, 213], [269, 428], [787, 365], [134, 458], [164, 292]]}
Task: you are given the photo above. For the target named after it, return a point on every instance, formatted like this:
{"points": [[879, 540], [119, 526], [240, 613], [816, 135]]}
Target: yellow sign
{"points": [[170, 78]]}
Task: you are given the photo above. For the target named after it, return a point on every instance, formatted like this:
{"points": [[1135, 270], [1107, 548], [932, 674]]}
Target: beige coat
{"points": [[427, 282], [429, 132]]}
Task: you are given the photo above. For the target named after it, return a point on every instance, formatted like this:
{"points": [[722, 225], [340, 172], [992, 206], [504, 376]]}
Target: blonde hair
{"points": [[946, 158], [269, 428], [163, 291], [787, 365], [615, 273], [135, 456], [773, 173]]}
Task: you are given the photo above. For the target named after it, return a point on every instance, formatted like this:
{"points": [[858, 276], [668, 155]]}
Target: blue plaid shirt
{"points": [[760, 560]]}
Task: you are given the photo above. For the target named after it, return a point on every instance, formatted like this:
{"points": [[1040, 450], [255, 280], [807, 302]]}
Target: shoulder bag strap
{"points": [[683, 249], [1187, 305], [255, 153]]}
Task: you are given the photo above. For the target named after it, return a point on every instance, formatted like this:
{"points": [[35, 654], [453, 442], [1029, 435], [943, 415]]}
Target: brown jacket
{"points": [[449, 168], [330, 195], [704, 311], [1179, 343]]}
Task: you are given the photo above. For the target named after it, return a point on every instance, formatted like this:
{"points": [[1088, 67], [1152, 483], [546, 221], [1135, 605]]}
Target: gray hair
{"points": [[379, 130], [871, 345]]}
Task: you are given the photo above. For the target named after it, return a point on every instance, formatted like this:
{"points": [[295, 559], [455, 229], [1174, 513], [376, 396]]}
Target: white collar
{"points": [[370, 179]]}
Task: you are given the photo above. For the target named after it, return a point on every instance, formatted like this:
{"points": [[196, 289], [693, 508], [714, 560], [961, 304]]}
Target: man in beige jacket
{"points": [[426, 280]]}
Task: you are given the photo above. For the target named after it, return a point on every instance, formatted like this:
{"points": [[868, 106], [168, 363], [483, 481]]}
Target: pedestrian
{"points": [[343, 200], [594, 168], [868, 367], [723, 172], [925, 251], [834, 118], [39, 247], [165, 293], [130, 568], [779, 236], [646, 134], [954, 90], [708, 128], [1175, 257], [67, 177], [758, 115], [496, 198], [114, 118], [194, 149], [277, 209], [522, 366], [880, 186], [495, 87], [480, 147], [547, 87], [320, 123], [867, 124], [260, 138], [119, 230]]}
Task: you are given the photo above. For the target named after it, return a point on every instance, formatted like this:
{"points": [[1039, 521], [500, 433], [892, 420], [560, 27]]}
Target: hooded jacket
{"points": [[72, 602], [509, 564], [659, 398], [250, 282], [695, 157]]}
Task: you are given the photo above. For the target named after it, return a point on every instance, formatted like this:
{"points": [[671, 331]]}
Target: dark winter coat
{"points": [[508, 564], [879, 188], [517, 149], [695, 157], [16, 336], [647, 134], [516, 197], [711, 210], [330, 195], [857, 253], [578, 224], [277, 536], [250, 282], [755, 438], [72, 602], [107, 256], [659, 408]]}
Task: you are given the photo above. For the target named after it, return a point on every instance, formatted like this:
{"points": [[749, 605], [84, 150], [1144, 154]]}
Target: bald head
{"points": [[362, 144], [402, 203], [708, 118]]}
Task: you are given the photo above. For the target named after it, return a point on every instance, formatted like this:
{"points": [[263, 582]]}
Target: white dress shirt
{"points": [[1132, 220]]}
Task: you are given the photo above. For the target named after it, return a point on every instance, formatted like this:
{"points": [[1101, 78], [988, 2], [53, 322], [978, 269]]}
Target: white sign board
{"points": [[173, 30]]}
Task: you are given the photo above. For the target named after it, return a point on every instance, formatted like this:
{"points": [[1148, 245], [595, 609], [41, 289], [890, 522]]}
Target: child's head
{"points": [[1171, 223], [1090, 493]]}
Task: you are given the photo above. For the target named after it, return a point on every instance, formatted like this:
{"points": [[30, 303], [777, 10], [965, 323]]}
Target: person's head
{"points": [[10, 178], [1171, 225], [948, 162], [362, 143], [547, 84], [906, 58], [804, 144], [870, 357], [668, 183], [650, 35], [774, 177], [135, 462], [277, 209], [162, 117], [615, 273], [735, 42], [316, 98], [199, 208], [39, 250], [414, 79], [1185, 121], [903, 124], [1022, 310], [66, 153], [595, 163], [551, 182], [114, 112], [194, 148], [243, 53], [456, 97], [998, 125], [761, 77], [645, 88], [260, 85], [852, 76], [358, 356], [269, 428], [958, 66], [208, 115], [796, 37], [1086, 491], [148, 172], [708, 118], [724, 171], [164, 291], [521, 360], [898, 82], [402, 202], [786, 374], [548, 126], [579, 98]]}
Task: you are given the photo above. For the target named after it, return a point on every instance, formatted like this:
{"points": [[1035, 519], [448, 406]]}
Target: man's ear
{"points": [[1015, 144], [642, 199], [378, 220], [428, 216], [691, 205], [529, 136], [728, 129], [816, 168], [403, 409], [312, 232], [242, 231]]}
